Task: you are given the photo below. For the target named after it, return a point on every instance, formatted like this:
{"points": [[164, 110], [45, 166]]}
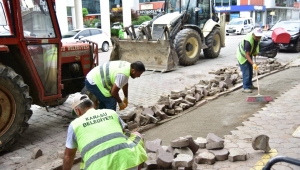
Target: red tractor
{"points": [[35, 67]]}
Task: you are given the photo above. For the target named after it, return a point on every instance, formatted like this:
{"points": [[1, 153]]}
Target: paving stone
{"points": [[148, 111], [153, 145], [179, 143], [144, 120], [164, 158], [178, 109], [201, 142], [138, 110], [261, 142], [163, 100], [184, 106], [221, 155], [158, 113], [152, 156], [184, 150], [190, 98], [214, 142], [197, 97], [205, 158], [133, 125], [237, 154], [36, 152], [222, 85], [182, 160], [151, 164], [170, 112], [188, 102], [192, 144]]}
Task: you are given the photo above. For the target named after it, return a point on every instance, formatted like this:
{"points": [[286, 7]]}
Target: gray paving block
{"points": [[192, 144], [214, 142], [205, 158], [128, 116], [190, 98], [36, 152], [184, 150], [184, 106], [197, 97], [153, 145], [221, 155], [261, 142], [179, 143], [201, 142], [237, 154], [144, 120], [164, 158], [148, 111], [151, 164], [170, 112], [152, 156], [182, 160]]}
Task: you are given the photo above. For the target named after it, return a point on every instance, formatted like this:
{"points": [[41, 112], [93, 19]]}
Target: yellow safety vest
{"points": [[104, 75], [102, 143], [241, 54]]}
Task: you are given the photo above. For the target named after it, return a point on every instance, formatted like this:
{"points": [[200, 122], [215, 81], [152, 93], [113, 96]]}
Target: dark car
{"points": [[293, 28]]}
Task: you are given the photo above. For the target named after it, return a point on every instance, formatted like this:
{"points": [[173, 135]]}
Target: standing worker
{"points": [[105, 81], [101, 149], [246, 49]]}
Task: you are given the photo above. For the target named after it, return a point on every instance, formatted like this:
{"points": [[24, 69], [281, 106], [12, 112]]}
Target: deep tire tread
{"points": [[209, 52], [23, 89]]}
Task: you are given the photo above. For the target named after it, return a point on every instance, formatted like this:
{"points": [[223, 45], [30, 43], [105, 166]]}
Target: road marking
{"points": [[264, 159], [296, 134]]}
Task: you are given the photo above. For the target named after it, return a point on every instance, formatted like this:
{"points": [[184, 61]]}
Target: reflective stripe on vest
{"points": [[105, 80], [111, 150]]}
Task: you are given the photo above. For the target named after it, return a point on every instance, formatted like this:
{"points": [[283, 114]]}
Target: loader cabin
{"points": [[200, 10], [30, 34]]}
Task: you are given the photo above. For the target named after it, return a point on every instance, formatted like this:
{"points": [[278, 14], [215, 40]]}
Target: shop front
{"points": [[242, 11]]}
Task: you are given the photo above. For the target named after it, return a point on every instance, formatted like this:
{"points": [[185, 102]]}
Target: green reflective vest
{"points": [[241, 54], [103, 145], [104, 75]]}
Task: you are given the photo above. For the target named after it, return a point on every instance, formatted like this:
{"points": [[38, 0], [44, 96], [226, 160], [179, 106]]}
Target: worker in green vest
{"points": [[121, 33], [106, 80], [101, 147], [248, 48]]}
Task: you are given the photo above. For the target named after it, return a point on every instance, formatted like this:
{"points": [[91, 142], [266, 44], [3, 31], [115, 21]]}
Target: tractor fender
{"points": [[196, 28], [208, 27]]}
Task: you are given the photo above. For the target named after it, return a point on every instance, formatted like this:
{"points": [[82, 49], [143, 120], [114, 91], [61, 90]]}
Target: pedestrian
{"points": [[100, 139], [248, 48], [105, 81]]}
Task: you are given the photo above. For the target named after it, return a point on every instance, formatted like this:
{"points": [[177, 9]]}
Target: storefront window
{"points": [[225, 2], [233, 2], [218, 2]]}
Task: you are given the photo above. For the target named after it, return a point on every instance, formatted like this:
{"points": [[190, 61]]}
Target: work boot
{"points": [[247, 91], [253, 87]]}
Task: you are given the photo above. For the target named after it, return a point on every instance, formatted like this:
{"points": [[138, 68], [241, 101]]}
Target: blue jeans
{"points": [[247, 72], [105, 102]]}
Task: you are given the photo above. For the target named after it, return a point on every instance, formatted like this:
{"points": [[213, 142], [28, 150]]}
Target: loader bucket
{"points": [[156, 55]]}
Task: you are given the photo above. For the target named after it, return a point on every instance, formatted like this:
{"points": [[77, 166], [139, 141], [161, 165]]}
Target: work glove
{"points": [[122, 105], [255, 67], [125, 101]]}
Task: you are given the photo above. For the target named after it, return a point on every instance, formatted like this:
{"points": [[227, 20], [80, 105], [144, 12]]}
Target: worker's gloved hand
{"points": [[122, 105], [125, 101], [255, 67]]}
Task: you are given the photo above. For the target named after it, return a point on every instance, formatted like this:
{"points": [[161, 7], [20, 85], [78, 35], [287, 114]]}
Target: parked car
{"points": [[239, 26], [293, 28], [92, 34]]}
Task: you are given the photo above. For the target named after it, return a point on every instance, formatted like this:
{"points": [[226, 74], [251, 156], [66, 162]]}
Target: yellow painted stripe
{"points": [[264, 160], [296, 134]]}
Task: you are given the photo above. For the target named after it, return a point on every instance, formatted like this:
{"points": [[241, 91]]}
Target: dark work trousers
{"points": [[247, 72]]}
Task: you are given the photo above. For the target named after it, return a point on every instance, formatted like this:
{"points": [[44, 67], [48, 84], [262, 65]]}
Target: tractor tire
{"points": [[15, 104], [213, 42], [188, 46]]}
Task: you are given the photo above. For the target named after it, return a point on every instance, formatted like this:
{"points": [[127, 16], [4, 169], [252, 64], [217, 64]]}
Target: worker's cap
{"points": [[258, 32], [78, 99]]}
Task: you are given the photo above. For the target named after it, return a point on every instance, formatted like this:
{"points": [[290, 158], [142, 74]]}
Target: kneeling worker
{"points": [[98, 134], [105, 81]]}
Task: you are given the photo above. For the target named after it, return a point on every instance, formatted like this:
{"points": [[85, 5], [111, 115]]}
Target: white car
{"points": [[92, 34], [239, 26]]}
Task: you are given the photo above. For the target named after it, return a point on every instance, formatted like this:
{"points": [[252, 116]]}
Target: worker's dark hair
{"points": [[138, 66], [85, 104]]}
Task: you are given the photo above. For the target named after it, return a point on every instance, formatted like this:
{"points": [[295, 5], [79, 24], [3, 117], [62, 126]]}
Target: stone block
{"points": [[214, 142], [219, 78], [129, 116], [133, 125], [151, 164], [237, 154], [153, 146], [261, 142], [205, 158], [164, 158], [138, 110], [203, 82], [152, 156], [170, 112], [148, 111], [190, 98], [197, 97], [175, 96], [178, 109], [192, 144], [221, 155], [188, 102], [228, 81], [182, 160], [201, 142], [179, 143], [163, 100], [222, 84], [36, 152], [144, 120], [184, 106], [183, 150]]}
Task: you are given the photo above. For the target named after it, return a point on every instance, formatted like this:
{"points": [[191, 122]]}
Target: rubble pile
{"points": [[177, 101], [186, 153]]}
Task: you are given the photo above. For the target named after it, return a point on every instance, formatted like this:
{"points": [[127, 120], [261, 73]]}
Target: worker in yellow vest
{"points": [[106, 80], [101, 147], [248, 48]]}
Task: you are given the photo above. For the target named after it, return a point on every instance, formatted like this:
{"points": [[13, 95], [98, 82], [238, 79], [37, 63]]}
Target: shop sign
{"points": [[148, 12], [146, 6], [116, 9], [236, 8]]}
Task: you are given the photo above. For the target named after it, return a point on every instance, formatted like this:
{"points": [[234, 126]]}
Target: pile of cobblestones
{"points": [[177, 101]]}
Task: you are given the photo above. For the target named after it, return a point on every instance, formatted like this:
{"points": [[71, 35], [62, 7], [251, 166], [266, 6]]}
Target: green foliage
{"points": [[114, 32], [85, 12], [141, 19]]}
